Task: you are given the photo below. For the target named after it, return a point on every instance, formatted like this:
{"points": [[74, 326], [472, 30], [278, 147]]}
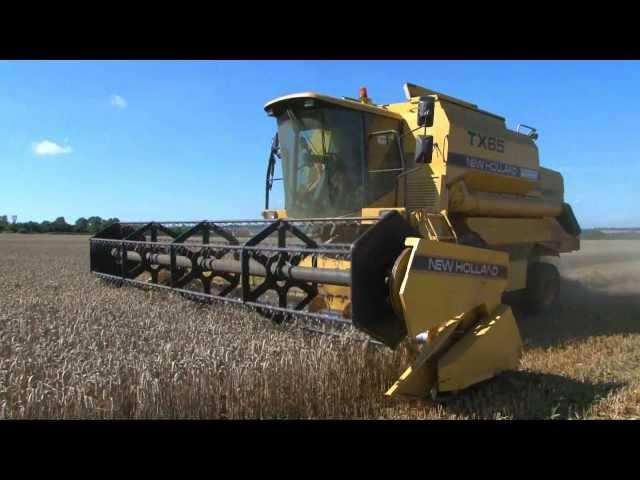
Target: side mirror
{"points": [[424, 148], [425, 111]]}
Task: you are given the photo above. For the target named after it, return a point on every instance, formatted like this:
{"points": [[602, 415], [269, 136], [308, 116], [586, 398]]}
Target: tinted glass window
{"points": [[322, 157], [383, 159]]}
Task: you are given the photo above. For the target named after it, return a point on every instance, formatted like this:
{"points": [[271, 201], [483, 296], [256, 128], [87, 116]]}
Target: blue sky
{"points": [[173, 140]]}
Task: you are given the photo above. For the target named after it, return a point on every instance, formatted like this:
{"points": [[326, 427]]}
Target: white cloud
{"points": [[47, 147], [118, 102]]}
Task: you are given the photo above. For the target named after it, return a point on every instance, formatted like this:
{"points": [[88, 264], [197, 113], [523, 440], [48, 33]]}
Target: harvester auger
{"points": [[421, 220]]}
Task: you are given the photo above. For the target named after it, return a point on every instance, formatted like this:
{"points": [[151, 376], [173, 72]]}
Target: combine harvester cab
{"points": [[419, 221]]}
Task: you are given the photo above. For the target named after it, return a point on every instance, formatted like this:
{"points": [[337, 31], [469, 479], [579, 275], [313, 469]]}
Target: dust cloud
{"points": [[605, 266]]}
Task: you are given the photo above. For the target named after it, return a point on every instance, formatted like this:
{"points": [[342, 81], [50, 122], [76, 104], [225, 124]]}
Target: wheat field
{"points": [[74, 347]]}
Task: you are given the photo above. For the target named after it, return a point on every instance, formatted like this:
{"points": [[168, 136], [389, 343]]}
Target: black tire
{"points": [[543, 286]]}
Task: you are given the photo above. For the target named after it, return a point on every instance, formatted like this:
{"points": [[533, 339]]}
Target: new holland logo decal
{"points": [[492, 166], [430, 263]]}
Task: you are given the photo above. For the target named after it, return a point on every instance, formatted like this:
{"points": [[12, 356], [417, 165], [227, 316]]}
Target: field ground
{"points": [[74, 347]]}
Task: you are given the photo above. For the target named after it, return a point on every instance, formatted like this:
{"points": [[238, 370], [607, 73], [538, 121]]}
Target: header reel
{"points": [[274, 266]]}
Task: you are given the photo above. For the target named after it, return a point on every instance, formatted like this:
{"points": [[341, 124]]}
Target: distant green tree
{"points": [[60, 225], [30, 227], [594, 235], [81, 225], [95, 224]]}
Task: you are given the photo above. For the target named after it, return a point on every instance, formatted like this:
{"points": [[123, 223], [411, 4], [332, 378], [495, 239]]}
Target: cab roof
{"points": [[346, 103]]}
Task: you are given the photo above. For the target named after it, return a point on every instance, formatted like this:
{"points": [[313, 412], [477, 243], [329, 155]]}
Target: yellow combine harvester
{"points": [[419, 220]]}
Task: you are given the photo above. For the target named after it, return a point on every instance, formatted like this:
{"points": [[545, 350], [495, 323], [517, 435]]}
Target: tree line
{"points": [[596, 234], [90, 225]]}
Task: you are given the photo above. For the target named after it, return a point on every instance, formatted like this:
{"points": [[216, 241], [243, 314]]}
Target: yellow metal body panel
{"points": [[379, 212], [274, 214], [420, 377], [411, 90], [454, 292], [517, 150], [432, 226], [500, 205], [492, 346], [439, 131], [434, 295], [332, 297], [459, 130], [550, 186], [463, 351], [424, 190], [523, 231], [511, 231]]}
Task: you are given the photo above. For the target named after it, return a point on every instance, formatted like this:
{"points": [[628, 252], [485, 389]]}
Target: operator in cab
{"points": [[322, 162], [343, 194]]}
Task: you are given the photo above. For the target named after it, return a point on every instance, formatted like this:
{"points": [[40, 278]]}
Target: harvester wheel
{"points": [[543, 285]]}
